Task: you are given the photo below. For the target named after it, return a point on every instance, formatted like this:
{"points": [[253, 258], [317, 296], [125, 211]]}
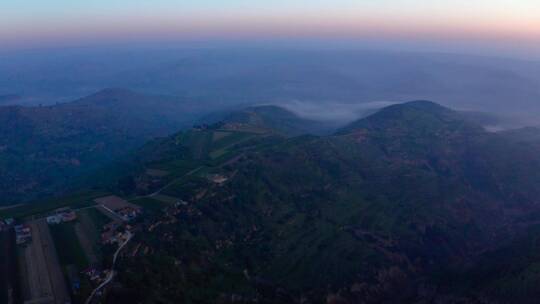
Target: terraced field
{"points": [[225, 144]]}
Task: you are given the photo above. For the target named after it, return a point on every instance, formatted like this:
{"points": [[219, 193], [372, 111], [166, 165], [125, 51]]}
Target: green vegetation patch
{"points": [[219, 135], [224, 145], [151, 205], [199, 143], [98, 218], [177, 167], [68, 246], [166, 199], [78, 200], [187, 188]]}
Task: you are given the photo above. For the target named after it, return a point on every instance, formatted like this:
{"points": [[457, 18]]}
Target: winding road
{"points": [[111, 274]]}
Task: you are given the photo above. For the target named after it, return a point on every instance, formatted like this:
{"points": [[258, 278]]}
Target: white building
{"points": [[54, 219]]}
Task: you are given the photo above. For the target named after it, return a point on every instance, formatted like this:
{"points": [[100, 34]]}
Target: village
{"points": [[67, 253], [39, 240], [44, 252]]}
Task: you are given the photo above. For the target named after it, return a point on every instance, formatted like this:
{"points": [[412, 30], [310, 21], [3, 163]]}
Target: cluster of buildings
{"points": [[109, 234], [124, 209], [128, 213], [95, 275], [115, 232], [23, 234], [169, 215], [62, 215], [217, 178]]}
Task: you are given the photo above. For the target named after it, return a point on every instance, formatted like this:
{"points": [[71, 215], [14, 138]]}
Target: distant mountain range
{"points": [[413, 204], [224, 76], [9, 99]]}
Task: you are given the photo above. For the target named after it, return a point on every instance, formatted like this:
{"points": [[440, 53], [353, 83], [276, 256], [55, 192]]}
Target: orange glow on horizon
{"points": [[320, 26]]}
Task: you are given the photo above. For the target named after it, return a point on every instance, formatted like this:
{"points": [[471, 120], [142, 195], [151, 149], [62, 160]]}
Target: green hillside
{"points": [[42, 149], [402, 200], [270, 118]]}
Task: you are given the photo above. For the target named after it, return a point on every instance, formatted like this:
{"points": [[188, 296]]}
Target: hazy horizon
{"points": [[501, 27], [475, 55]]}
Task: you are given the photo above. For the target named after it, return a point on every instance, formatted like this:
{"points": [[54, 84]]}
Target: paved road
{"points": [[109, 213], [10, 206], [112, 272]]}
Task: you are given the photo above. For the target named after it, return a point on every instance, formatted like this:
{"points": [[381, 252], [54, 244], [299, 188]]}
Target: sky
{"points": [[511, 26]]}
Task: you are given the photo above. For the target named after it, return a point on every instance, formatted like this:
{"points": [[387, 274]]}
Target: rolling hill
{"points": [[270, 118], [43, 147], [247, 75], [409, 205]]}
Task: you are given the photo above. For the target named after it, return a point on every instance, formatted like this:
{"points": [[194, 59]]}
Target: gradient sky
{"points": [[488, 23]]}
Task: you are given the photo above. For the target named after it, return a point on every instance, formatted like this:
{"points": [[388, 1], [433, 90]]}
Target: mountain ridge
{"points": [[412, 114], [273, 118], [353, 217], [79, 136]]}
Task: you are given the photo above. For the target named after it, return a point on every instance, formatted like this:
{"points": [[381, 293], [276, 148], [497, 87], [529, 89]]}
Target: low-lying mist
{"points": [[339, 114], [334, 111]]}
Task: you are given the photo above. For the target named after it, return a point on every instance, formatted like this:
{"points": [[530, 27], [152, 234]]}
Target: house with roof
{"points": [[128, 213], [124, 209], [66, 214], [62, 215]]}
